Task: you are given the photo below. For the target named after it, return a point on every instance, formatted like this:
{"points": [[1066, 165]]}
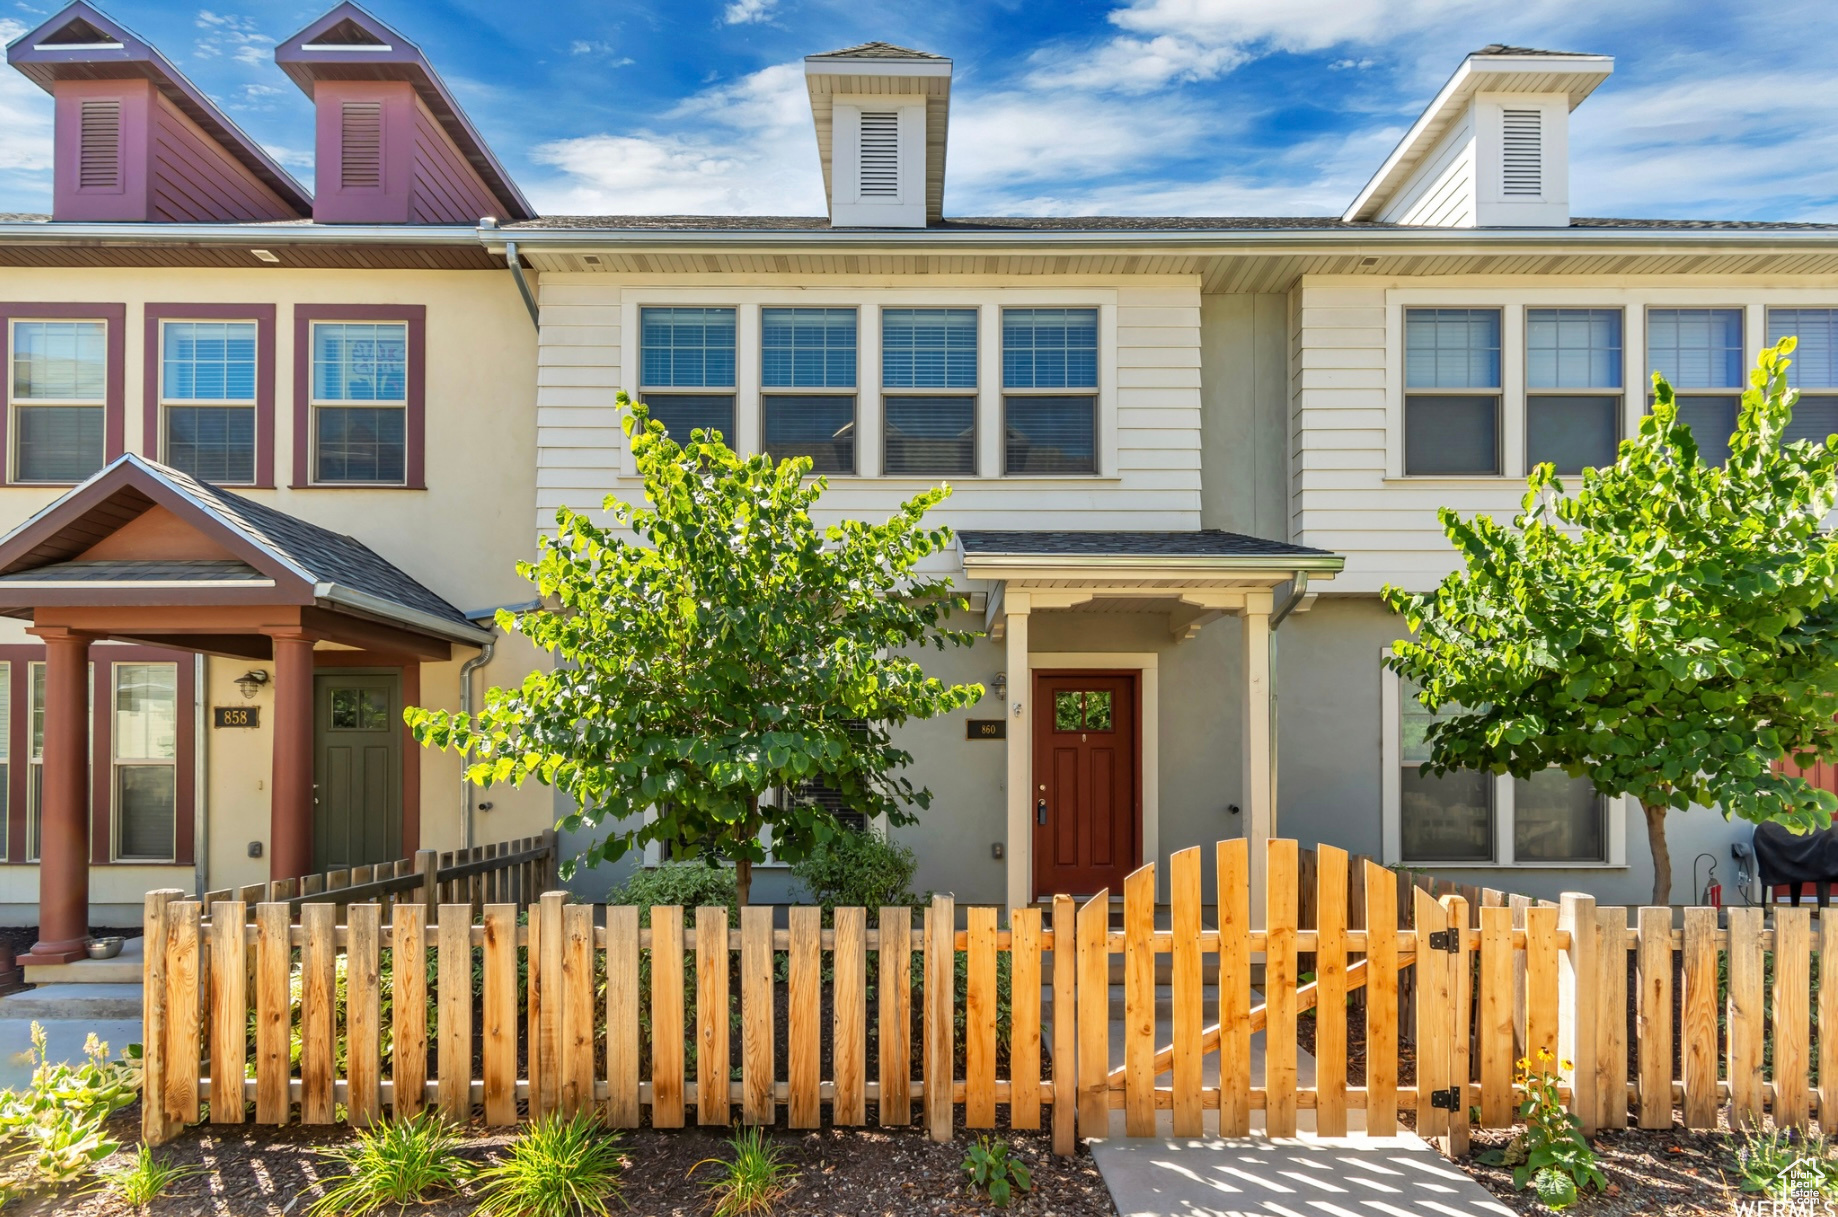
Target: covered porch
{"points": [[144, 555], [1084, 726]]}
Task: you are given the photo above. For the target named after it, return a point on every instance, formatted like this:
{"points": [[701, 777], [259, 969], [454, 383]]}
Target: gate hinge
{"points": [[1444, 1100], [1445, 940]]}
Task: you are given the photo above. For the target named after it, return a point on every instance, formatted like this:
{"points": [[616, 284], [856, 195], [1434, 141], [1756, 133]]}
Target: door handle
{"points": [[1040, 813]]}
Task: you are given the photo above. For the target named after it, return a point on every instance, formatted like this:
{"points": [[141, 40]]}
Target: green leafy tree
{"points": [[725, 652], [1668, 631]]}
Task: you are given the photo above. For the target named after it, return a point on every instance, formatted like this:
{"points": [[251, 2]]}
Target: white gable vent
{"points": [[99, 149], [1522, 153], [880, 154], [360, 163]]}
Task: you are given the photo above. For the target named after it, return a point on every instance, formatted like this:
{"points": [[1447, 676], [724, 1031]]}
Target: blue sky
{"points": [[1191, 107]]}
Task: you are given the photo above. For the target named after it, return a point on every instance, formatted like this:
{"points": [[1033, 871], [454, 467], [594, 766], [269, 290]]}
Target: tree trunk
{"points": [[1662, 857], [743, 880]]}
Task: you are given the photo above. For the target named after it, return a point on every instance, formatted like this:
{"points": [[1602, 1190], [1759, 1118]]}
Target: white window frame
{"points": [[1106, 353], [315, 402], [15, 404], [117, 762], [865, 314], [167, 401], [1527, 391], [869, 418], [976, 392], [1391, 760], [635, 359], [1504, 443]]}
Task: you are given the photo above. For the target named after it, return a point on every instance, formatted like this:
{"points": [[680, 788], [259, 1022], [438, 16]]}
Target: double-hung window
{"points": [[1699, 352], [1451, 391], [1813, 370], [686, 369], [145, 778], [1442, 817], [1049, 390], [58, 384], [1572, 387], [208, 396], [35, 791], [807, 382], [928, 378], [360, 402]]}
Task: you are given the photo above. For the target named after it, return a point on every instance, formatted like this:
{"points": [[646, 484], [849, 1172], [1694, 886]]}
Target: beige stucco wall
{"points": [[461, 536]]}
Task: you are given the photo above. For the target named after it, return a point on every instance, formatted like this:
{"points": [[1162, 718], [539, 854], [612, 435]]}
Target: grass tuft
{"points": [[392, 1165], [558, 1167], [148, 1177], [752, 1181]]}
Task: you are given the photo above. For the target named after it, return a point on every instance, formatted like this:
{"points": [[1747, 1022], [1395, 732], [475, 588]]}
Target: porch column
{"points": [[63, 811], [1258, 759], [1018, 712], [290, 832]]}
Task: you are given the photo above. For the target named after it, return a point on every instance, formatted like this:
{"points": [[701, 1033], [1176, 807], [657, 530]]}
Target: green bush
{"points": [[558, 1167], [858, 870], [693, 885]]}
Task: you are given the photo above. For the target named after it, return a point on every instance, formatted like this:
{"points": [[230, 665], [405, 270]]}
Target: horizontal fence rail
{"points": [[388, 994]]}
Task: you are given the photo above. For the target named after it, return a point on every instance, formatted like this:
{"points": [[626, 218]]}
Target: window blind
{"points": [[687, 348], [807, 348]]}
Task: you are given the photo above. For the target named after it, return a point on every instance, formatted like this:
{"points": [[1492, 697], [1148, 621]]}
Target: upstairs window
{"points": [[360, 402], [1699, 352], [929, 383], [807, 372], [1573, 387], [208, 397], [59, 390], [686, 369], [1050, 390], [1451, 391], [1813, 370]]}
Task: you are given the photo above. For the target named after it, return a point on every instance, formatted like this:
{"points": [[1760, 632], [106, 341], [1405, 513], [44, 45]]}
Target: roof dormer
{"points": [[391, 145], [882, 112], [135, 140], [1493, 149]]}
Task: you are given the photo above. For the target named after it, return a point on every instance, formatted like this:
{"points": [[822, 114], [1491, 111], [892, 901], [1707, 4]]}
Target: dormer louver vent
{"points": [[360, 164], [99, 148], [1522, 154], [880, 153]]}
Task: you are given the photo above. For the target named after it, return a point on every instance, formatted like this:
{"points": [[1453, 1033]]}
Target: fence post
{"points": [[427, 865], [1577, 998], [1065, 1027], [154, 1127], [940, 1000]]}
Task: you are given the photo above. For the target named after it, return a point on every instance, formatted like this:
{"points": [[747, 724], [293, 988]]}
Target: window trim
{"points": [[883, 392], [766, 393], [1391, 801], [1745, 314], [997, 373], [1525, 376], [1501, 457], [414, 316], [646, 392], [114, 376], [153, 382]]}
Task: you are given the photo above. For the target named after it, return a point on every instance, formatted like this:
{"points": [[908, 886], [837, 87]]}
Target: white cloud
{"points": [[746, 12], [233, 35], [25, 116]]}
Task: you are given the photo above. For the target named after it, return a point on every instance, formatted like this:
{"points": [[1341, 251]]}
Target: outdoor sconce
{"points": [[999, 686], [251, 681]]}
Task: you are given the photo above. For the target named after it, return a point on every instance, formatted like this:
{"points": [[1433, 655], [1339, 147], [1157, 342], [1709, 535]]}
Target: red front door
{"points": [[1087, 800]]}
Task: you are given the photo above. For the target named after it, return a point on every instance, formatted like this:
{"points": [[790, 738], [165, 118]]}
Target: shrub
{"points": [[750, 1183], [148, 1177], [691, 884], [1782, 1167], [559, 1167], [52, 1131], [392, 1165], [858, 870], [992, 1169]]}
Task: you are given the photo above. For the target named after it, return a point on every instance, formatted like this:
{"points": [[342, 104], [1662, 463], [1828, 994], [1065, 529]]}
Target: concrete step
{"points": [[124, 969]]}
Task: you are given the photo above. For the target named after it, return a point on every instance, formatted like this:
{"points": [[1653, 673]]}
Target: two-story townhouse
{"points": [[1186, 453], [269, 459]]}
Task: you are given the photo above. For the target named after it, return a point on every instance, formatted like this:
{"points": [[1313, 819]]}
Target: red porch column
{"points": [[63, 813], [290, 847]]}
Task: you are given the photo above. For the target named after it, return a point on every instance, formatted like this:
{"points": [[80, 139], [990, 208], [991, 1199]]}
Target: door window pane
{"points": [[1572, 433], [1815, 358], [1082, 710], [1557, 818], [688, 348], [361, 444], [1050, 435], [1447, 818], [208, 361], [212, 443], [1696, 348], [928, 435], [928, 348], [820, 427], [1451, 434], [807, 348], [1712, 421], [1573, 348], [683, 413], [58, 443], [360, 709], [60, 360], [1452, 348], [1050, 348]]}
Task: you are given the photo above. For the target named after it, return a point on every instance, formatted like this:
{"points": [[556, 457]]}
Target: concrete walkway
{"points": [[1289, 1177]]}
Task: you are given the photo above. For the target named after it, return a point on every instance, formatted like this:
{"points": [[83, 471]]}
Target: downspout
{"points": [[465, 700], [523, 285], [1298, 588]]}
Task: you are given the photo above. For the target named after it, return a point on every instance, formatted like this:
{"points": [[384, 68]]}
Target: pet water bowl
{"points": [[104, 948]]}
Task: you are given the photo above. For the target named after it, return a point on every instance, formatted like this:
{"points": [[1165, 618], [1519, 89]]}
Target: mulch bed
{"points": [[1672, 1172], [862, 1172]]}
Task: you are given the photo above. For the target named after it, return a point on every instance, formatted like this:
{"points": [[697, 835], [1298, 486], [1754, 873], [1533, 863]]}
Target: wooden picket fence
{"points": [[1420, 1005]]}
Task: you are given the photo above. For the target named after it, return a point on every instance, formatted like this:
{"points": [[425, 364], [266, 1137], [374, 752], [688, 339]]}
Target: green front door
{"points": [[357, 769]]}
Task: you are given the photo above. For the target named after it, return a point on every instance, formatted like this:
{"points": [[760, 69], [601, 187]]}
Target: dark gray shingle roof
{"points": [[1200, 543], [875, 50], [130, 571], [1500, 48]]}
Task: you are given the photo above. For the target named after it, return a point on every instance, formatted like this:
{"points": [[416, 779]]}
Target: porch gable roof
{"points": [[1207, 553]]}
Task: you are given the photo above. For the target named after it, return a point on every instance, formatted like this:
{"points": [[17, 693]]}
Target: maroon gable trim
{"points": [[416, 316], [114, 418], [153, 431]]}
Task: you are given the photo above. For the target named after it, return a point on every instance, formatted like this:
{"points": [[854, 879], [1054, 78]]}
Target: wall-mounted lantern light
{"points": [[252, 681]]}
